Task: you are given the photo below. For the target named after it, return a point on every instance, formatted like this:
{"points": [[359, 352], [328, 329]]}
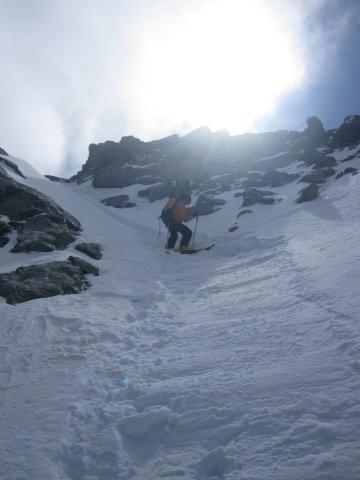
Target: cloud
{"points": [[66, 64]]}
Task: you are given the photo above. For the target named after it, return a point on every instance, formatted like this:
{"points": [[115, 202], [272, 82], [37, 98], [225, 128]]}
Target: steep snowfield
{"points": [[239, 363]]}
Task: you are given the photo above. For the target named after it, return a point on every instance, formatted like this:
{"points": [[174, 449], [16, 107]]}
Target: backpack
{"points": [[168, 215]]}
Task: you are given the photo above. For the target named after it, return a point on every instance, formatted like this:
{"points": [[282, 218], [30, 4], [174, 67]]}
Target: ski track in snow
{"points": [[241, 363]]}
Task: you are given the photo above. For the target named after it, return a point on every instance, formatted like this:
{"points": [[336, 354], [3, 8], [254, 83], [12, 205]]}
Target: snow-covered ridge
{"points": [[24, 167]]}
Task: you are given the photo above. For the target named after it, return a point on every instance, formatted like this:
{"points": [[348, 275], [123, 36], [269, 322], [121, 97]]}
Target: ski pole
{"points": [[197, 219]]}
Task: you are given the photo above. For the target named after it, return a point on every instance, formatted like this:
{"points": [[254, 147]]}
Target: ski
{"points": [[196, 250], [193, 250]]}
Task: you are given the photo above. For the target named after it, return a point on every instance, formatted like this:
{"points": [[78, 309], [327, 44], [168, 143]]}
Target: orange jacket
{"points": [[181, 212]]}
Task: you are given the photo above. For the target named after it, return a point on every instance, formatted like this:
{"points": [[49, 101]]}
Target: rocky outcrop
{"points": [[198, 156], [324, 161], [273, 178], [3, 152], [159, 192], [53, 178], [348, 133], [9, 164], [4, 231], [92, 250], [84, 266], [42, 225], [279, 161], [123, 176], [45, 280], [207, 204], [308, 194], [347, 171], [319, 175], [252, 196], [314, 134], [118, 201]]}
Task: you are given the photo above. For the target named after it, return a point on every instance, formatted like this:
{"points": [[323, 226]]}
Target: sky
{"points": [[86, 71]]}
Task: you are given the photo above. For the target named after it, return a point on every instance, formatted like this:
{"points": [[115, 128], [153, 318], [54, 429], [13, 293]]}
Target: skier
{"points": [[173, 214]]}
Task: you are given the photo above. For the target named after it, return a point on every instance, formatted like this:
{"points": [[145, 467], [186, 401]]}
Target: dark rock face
{"points": [[273, 179], [118, 201], [12, 165], [311, 156], [252, 196], [280, 161], [158, 192], [347, 171], [352, 157], [314, 133], [324, 162], [3, 152], [92, 250], [42, 225], [46, 280], [198, 156], [319, 175], [308, 193], [207, 204], [233, 228], [4, 230], [122, 176], [53, 178], [348, 133]]}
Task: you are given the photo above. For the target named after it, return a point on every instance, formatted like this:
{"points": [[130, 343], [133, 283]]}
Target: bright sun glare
{"points": [[223, 64]]}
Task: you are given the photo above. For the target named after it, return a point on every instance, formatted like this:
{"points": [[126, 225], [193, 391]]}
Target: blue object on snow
{"points": [[126, 382]]}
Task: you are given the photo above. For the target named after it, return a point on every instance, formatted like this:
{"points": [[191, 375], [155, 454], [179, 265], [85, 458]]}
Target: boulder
{"points": [[207, 204], [347, 171], [42, 225], [252, 196], [83, 265], [319, 175], [92, 250], [118, 201], [43, 233], [45, 280], [243, 212], [233, 228], [308, 193], [348, 133], [158, 192]]}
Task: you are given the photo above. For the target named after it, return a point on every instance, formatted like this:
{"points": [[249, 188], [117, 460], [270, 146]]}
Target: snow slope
{"points": [[239, 363]]}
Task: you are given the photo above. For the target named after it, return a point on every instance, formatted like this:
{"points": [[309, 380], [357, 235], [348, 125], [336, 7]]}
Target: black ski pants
{"points": [[174, 229]]}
